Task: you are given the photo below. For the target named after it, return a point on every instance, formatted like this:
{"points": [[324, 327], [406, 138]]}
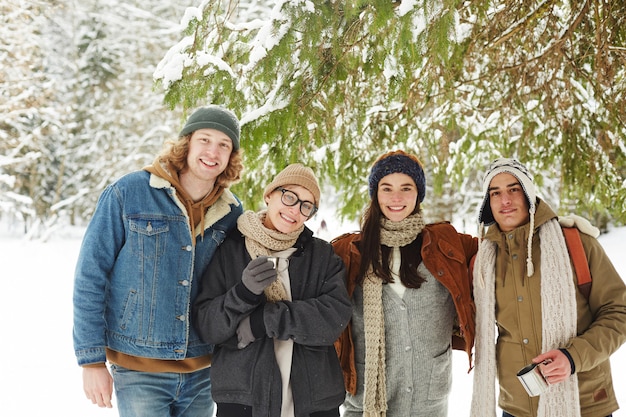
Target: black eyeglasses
{"points": [[290, 199]]}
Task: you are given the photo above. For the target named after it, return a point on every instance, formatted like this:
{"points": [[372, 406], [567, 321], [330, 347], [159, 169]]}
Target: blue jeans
{"points": [[163, 394]]}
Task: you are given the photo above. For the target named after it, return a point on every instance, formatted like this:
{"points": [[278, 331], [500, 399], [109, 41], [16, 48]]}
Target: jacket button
{"points": [[181, 318], [525, 341]]}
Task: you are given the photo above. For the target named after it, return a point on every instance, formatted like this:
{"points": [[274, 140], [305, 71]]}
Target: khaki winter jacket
{"points": [[601, 326], [446, 254]]}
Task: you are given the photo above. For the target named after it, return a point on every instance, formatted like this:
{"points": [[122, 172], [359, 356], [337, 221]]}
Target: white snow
{"points": [[36, 354]]}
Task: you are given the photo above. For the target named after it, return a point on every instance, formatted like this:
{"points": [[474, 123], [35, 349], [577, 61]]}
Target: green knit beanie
{"points": [[214, 117]]}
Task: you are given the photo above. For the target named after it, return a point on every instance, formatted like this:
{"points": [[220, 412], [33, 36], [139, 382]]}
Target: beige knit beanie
{"points": [[296, 174]]}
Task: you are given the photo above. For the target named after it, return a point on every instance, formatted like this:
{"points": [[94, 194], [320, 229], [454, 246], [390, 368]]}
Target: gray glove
{"points": [[259, 274], [244, 333]]}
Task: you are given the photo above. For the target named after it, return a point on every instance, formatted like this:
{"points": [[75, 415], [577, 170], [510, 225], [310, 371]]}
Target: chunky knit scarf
{"points": [[392, 234], [261, 241], [558, 317]]}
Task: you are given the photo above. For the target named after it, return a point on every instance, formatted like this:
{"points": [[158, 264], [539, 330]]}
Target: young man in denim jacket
{"points": [[151, 236]]}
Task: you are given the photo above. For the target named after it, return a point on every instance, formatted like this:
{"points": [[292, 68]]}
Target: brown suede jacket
{"points": [[447, 255]]}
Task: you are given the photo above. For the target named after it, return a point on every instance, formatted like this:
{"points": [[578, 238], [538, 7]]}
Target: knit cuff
{"points": [[257, 324], [246, 295], [571, 361]]}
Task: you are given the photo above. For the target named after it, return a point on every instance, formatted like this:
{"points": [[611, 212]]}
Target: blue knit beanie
{"points": [[214, 117], [398, 162]]}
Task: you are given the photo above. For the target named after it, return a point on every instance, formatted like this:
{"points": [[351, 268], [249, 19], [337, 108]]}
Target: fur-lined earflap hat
{"points": [[519, 171]]}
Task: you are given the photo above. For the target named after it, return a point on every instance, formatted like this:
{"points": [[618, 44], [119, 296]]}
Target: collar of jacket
{"points": [[544, 213], [214, 213]]}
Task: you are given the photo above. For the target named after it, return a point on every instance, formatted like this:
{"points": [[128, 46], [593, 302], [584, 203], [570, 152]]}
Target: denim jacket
{"points": [[137, 271]]}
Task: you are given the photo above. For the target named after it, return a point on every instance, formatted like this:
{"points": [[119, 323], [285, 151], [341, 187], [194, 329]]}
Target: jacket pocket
{"points": [[596, 386], [451, 252], [129, 309], [440, 376], [233, 370], [218, 236], [323, 371], [148, 236]]}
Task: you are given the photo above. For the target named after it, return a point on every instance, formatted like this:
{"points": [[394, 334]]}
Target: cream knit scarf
{"points": [[392, 234], [558, 317], [261, 241]]}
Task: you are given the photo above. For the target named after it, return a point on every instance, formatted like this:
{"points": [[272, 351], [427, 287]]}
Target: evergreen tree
{"points": [[333, 84]]}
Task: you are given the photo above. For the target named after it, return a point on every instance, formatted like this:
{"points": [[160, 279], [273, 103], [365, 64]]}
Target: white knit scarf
{"points": [[392, 234], [558, 317], [261, 241]]}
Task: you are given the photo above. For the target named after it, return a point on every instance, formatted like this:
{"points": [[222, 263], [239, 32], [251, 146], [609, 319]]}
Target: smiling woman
{"points": [[295, 184], [404, 330], [273, 301], [290, 198], [397, 196]]}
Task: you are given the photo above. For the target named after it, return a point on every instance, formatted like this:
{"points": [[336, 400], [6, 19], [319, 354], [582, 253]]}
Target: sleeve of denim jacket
{"points": [[102, 241], [321, 308]]}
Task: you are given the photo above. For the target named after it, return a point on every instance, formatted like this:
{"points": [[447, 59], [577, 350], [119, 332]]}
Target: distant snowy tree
{"points": [[78, 103], [120, 122], [32, 130], [333, 84]]}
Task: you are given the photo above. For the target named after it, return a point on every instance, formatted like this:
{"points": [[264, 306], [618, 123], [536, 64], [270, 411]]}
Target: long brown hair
{"points": [[176, 152], [376, 255]]}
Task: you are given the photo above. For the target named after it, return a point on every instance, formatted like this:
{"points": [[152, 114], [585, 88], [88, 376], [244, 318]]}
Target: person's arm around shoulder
{"points": [[444, 231], [343, 247]]}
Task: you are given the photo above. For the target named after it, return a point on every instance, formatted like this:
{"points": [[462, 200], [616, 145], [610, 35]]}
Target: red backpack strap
{"points": [[579, 259]]}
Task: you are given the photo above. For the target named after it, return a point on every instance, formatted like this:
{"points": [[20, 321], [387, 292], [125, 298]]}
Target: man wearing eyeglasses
{"points": [[274, 324]]}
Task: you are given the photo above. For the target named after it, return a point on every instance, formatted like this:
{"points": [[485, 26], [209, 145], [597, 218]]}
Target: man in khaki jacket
{"points": [[525, 286]]}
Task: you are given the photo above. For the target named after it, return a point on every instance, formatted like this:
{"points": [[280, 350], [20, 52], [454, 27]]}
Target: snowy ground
{"points": [[36, 355]]}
